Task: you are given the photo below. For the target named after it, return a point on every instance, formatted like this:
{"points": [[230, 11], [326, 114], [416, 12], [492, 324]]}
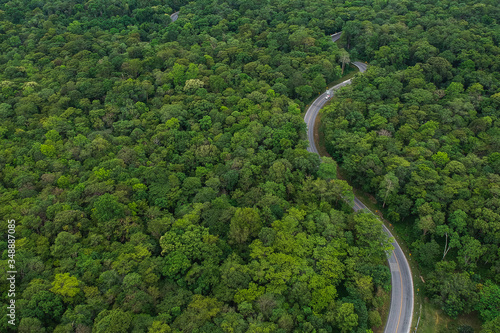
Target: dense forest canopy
{"points": [[158, 173]]}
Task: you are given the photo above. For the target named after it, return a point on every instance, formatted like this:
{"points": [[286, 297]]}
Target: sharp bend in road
{"points": [[401, 311]]}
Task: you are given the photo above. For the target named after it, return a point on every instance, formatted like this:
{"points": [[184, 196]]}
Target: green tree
{"points": [[31, 325], [319, 83], [45, 306], [159, 327], [65, 285], [345, 317], [112, 321], [491, 326], [489, 301], [327, 169], [344, 59], [206, 122], [244, 224], [199, 311], [305, 92], [389, 185], [107, 207]]}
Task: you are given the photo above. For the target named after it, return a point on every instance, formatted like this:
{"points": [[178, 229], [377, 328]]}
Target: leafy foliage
{"points": [[158, 172]]}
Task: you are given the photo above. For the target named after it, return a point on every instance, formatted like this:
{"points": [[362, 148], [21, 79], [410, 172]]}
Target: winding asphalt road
{"points": [[401, 311]]}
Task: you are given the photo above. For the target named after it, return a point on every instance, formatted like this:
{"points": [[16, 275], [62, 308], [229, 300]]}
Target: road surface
{"points": [[401, 311], [336, 36], [174, 16]]}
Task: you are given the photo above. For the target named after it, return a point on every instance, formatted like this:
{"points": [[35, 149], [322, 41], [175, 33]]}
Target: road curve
{"points": [[336, 36], [401, 311], [313, 110], [174, 16]]}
